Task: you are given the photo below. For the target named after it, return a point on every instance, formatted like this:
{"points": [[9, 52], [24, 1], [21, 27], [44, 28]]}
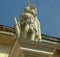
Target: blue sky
{"points": [[48, 14]]}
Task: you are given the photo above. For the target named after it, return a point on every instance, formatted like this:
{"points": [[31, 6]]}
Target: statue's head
{"points": [[27, 17], [31, 9]]}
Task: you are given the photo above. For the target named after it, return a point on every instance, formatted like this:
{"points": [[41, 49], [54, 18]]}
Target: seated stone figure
{"points": [[29, 26], [33, 10], [32, 25]]}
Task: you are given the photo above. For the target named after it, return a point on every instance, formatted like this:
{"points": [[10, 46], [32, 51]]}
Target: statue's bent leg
{"points": [[33, 37]]}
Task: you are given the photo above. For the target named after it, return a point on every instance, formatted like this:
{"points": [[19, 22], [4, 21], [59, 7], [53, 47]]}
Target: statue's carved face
{"points": [[28, 18]]}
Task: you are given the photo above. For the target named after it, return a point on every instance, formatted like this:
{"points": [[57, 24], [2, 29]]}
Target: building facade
{"points": [[12, 47], [21, 42]]}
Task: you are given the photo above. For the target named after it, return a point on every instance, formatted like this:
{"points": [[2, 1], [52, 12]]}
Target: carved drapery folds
{"points": [[29, 26]]}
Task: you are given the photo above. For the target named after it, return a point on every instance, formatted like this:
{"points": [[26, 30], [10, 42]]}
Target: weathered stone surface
{"points": [[29, 26]]}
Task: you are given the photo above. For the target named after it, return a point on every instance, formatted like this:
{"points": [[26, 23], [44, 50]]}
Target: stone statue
{"points": [[29, 25]]}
